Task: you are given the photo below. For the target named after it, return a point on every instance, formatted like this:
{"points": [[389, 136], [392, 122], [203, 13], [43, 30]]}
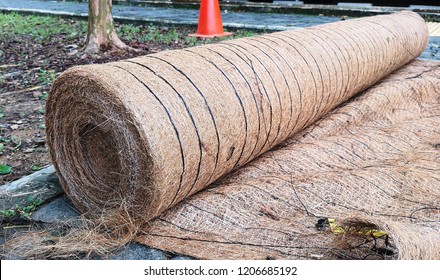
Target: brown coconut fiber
{"points": [[132, 139]]}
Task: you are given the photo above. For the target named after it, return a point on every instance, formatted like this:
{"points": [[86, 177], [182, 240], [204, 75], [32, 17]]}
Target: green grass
{"points": [[169, 35], [40, 28], [44, 95], [46, 77], [244, 33], [43, 28], [160, 35], [128, 31], [152, 33], [22, 211], [193, 41], [35, 168]]}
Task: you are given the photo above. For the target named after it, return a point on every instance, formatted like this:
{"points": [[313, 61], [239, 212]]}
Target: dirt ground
{"points": [[32, 55]]}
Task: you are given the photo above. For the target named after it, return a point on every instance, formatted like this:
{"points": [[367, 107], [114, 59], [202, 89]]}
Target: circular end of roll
{"points": [[97, 148]]}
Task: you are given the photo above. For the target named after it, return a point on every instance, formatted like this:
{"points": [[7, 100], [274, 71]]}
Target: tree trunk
{"points": [[101, 33]]}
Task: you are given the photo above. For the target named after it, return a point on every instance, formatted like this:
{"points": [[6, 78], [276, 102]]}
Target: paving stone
{"points": [[182, 258], [432, 51], [56, 211], [42, 185], [136, 251], [423, 7]]}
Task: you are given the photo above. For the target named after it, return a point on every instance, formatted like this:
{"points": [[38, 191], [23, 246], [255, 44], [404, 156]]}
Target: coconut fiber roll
{"points": [[139, 135], [371, 165]]}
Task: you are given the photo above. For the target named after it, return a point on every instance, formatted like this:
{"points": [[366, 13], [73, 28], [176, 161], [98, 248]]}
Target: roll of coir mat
{"points": [[133, 138], [361, 183]]}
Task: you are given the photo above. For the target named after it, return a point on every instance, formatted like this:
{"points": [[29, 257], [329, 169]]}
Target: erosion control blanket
{"points": [[132, 141]]}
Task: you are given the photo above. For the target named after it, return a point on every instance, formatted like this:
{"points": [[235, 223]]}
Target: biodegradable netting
{"points": [[133, 138], [372, 163]]}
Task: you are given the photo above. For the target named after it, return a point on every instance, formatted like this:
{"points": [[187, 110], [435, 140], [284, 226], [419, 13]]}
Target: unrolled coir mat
{"points": [[134, 138]]}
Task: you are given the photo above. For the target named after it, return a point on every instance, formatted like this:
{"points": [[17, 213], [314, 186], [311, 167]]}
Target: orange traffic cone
{"points": [[210, 21]]}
